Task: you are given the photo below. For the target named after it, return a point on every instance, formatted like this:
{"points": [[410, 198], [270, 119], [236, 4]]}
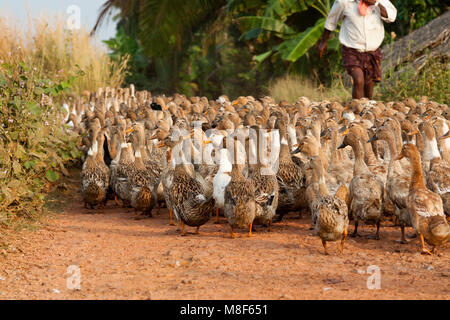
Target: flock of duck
{"points": [[253, 160]]}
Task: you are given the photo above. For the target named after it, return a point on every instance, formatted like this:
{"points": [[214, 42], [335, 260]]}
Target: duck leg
{"points": [[232, 233], [424, 250], [270, 225], [280, 217], [343, 241], [251, 228], [136, 215], [149, 213], [197, 231], [396, 222], [116, 200], [171, 218], [217, 216], [355, 233], [377, 234], [183, 234], [324, 243], [403, 240]]}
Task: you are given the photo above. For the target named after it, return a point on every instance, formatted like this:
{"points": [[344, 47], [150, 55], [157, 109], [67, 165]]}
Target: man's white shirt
{"points": [[364, 33]]}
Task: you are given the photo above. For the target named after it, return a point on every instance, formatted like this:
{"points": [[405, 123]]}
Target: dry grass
{"points": [[56, 52], [292, 87], [38, 67]]}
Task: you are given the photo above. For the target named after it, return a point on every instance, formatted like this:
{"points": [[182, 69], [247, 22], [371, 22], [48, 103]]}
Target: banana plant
{"points": [[273, 22]]}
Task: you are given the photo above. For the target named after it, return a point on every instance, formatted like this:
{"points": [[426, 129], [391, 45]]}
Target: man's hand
{"points": [[323, 43], [322, 48], [383, 11]]}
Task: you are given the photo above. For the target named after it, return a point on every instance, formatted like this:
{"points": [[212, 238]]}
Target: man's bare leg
{"points": [[358, 83], [368, 89]]}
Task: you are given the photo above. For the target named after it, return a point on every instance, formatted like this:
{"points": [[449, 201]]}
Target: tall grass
{"points": [[56, 52], [291, 87], [38, 68]]}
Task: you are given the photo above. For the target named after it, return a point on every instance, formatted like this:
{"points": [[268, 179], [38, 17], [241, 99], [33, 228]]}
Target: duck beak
{"points": [[399, 157], [298, 150], [413, 133], [345, 132], [342, 146], [445, 136], [207, 142], [129, 131], [374, 138], [161, 145], [343, 129]]}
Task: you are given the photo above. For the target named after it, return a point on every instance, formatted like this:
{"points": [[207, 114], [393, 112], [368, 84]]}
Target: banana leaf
{"points": [[264, 23], [292, 50]]}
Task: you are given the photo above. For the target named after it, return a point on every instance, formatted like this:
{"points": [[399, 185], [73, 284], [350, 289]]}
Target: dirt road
{"points": [[120, 258]]}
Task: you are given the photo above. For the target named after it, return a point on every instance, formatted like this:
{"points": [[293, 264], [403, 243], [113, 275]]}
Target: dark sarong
{"points": [[369, 62]]}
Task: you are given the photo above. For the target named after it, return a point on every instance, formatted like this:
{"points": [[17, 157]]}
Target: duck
{"points": [[329, 213], [121, 170], [141, 181], [398, 181], [366, 190], [340, 165], [240, 204], [265, 182], [94, 175], [168, 143], [375, 168], [221, 181], [153, 160], [424, 206], [438, 175], [191, 198], [440, 125], [290, 177]]}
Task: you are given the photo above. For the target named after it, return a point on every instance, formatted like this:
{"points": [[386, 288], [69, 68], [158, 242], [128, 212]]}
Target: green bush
{"points": [[35, 145], [431, 81]]}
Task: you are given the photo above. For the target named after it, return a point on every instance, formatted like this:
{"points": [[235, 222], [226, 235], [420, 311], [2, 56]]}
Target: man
{"points": [[361, 35]]}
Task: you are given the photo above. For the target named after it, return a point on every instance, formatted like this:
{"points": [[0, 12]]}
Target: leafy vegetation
{"points": [[34, 146], [413, 14], [431, 79], [224, 46], [37, 74]]}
